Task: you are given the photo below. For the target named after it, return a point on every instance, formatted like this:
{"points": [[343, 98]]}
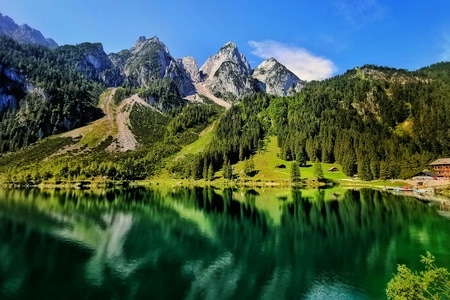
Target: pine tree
{"points": [[364, 170], [295, 172], [227, 170], [318, 172], [301, 158], [205, 169], [384, 170], [210, 172], [249, 166]]}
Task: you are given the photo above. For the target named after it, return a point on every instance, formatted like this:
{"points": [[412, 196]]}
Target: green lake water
{"points": [[212, 244]]}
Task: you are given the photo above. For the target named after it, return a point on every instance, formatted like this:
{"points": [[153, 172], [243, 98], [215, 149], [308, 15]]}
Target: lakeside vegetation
{"points": [[431, 283]]}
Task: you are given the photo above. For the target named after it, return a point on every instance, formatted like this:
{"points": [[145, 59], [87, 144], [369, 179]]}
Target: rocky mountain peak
{"points": [[143, 42], [149, 60], [95, 64], [276, 79], [24, 34], [141, 39], [7, 24], [228, 74], [228, 47], [228, 53], [191, 66]]}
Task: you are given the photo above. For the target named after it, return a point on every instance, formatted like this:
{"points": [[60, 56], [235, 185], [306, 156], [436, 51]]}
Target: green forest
{"points": [[376, 122], [52, 96]]}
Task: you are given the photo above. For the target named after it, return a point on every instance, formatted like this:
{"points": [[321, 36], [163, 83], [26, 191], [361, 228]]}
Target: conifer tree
{"points": [[210, 172], [205, 169], [318, 172], [249, 166], [227, 170], [295, 172]]}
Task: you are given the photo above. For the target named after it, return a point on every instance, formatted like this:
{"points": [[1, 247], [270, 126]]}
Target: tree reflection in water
{"points": [[207, 243]]}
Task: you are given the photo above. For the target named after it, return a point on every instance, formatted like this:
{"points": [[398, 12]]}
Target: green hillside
{"points": [[372, 121]]}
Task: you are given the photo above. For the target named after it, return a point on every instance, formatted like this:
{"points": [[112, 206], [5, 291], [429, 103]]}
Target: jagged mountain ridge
{"points": [[226, 74], [23, 33]]}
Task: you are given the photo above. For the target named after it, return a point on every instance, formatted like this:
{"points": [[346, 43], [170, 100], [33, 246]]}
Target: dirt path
{"points": [[125, 139], [115, 123]]}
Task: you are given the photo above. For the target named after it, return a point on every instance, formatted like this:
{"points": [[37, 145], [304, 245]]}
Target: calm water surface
{"points": [[211, 244]]}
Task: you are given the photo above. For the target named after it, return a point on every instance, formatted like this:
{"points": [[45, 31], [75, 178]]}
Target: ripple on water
{"points": [[331, 285]]}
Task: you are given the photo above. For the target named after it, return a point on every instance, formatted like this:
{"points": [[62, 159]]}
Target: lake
{"points": [[204, 243]]}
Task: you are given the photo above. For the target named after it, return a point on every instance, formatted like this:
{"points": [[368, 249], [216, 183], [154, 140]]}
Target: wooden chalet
{"points": [[441, 167], [425, 175]]}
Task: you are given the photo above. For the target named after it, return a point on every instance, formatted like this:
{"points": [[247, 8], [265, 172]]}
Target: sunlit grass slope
{"points": [[267, 160]]}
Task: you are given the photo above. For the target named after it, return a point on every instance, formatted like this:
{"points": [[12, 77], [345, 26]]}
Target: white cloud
{"points": [[300, 61]]}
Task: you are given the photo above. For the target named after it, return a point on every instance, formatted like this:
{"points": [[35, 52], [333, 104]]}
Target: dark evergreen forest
{"points": [[47, 93], [376, 122]]}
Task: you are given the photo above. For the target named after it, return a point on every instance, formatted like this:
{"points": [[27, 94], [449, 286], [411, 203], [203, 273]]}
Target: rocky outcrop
{"points": [[276, 79], [24, 33], [228, 53], [120, 59], [190, 65], [95, 64], [227, 74], [11, 83], [150, 60]]}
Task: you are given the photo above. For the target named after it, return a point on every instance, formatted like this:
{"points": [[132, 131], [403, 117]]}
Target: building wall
{"points": [[442, 170]]}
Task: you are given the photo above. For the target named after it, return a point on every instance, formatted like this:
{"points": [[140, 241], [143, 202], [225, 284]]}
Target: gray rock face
{"points": [[228, 53], [191, 67], [24, 33], [149, 60], [276, 79], [120, 59], [95, 64], [9, 80], [228, 74]]}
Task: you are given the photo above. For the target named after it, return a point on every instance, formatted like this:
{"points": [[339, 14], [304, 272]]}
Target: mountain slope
{"points": [[114, 126], [24, 34], [42, 93], [375, 121]]}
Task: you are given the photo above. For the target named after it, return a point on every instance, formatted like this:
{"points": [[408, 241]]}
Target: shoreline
{"points": [[387, 185]]}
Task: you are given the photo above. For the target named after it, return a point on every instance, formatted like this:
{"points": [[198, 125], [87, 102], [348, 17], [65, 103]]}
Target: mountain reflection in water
{"points": [[204, 243]]}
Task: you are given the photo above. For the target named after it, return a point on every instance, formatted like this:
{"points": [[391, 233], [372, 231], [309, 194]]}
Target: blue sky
{"points": [[315, 39]]}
